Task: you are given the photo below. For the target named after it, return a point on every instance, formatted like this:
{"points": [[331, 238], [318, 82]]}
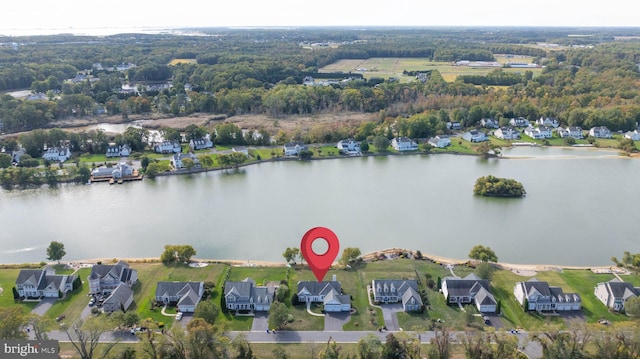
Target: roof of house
{"points": [[119, 271], [318, 288], [460, 287], [333, 297], [619, 289], [31, 276], [177, 289], [121, 295], [411, 297]]}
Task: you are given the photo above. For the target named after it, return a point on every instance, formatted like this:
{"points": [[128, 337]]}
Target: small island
{"points": [[498, 187]]}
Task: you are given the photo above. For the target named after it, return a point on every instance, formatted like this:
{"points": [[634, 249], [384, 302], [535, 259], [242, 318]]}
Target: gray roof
{"points": [[31, 276], [484, 297], [410, 294], [120, 295], [120, 271], [459, 287], [177, 289], [333, 295], [319, 288]]}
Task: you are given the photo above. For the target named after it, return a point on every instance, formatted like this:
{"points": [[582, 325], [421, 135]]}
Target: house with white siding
{"points": [[538, 133], [600, 132], [507, 133], [615, 293], [200, 143], [294, 148], [548, 121], [329, 293], [535, 295], [387, 291], [570, 131], [489, 123], [349, 147], [519, 122], [440, 141], [403, 144], [177, 160], [168, 147], [60, 154], [246, 295], [633, 135], [475, 136], [118, 151], [103, 278], [469, 290], [120, 298], [185, 296], [38, 283]]}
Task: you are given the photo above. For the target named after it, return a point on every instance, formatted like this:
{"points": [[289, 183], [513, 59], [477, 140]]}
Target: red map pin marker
{"points": [[320, 262]]}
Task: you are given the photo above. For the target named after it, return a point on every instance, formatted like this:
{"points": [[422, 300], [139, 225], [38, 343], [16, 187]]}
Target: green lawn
{"points": [[74, 302]]}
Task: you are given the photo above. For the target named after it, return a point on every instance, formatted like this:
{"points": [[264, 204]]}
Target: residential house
{"points": [[633, 135], [490, 123], [615, 293], [468, 290], [519, 122], [60, 154], [403, 144], [43, 283], [600, 132], [119, 171], [294, 148], [538, 133], [177, 160], [454, 126], [570, 131], [395, 290], [183, 295], [245, 295], [200, 143], [120, 298], [15, 155], [475, 136], [325, 292], [118, 151], [168, 147], [548, 121], [440, 141], [104, 278], [507, 133], [539, 296], [349, 147]]}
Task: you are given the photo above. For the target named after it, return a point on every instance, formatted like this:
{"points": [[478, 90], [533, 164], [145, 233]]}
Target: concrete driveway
{"points": [[389, 314], [44, 305], [334, 321], [260, 322]]}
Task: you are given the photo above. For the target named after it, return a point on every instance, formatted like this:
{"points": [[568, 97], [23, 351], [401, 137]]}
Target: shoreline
{"points": [[390, 253]]}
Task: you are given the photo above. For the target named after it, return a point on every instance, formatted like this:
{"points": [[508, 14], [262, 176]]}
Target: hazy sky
{"points": [[74, 14]]}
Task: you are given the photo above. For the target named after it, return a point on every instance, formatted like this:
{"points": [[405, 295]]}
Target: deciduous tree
{"points": [[483, 253], [55, 251]]}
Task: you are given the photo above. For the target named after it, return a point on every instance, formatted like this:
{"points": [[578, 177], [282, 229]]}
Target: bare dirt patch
{"points": [[298, 123]]}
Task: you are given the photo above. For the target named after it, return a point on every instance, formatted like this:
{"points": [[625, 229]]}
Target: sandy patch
{"points": [[198, 264]]}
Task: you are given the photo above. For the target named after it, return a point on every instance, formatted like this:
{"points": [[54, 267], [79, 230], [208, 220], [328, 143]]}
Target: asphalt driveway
{"points": [[260, 322], [44, 305], [389, 314], [334, 321]]}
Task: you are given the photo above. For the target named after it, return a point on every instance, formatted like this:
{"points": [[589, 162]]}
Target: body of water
{"points": [[578, 209]]}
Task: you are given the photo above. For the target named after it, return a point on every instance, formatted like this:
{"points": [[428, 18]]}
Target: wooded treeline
{"points": [[260, 71]]}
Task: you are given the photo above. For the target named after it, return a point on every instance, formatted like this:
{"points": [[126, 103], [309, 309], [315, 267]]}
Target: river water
{"points": [[579, 209]]}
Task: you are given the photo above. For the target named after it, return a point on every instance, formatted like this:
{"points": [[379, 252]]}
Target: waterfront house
{"points": [[329, 293], [440, 141], [519, 122], [246, 295], [60, 154], [489, 123], [294, 148], [121, 170], [104, 278], [177, 160], [600, 132], [402, 144], [507, 133], [548, 121], [168, 147], [185, 296], [475, 136], [539, 296], [615, 293], [633, 135], [200, 143], [349, 147], [118, 151], [387, 291], [538, 133], [39, 283], [120, 298], [468, 290], [570, 131]]}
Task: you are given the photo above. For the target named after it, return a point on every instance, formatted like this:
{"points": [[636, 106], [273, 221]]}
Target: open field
{"points": [[394, 67]]}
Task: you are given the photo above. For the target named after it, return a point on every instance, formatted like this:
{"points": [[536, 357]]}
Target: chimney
{"points": [[334, 278]]}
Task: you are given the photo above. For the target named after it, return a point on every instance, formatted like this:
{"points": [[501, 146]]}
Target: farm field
{"points": [[387, 67]]}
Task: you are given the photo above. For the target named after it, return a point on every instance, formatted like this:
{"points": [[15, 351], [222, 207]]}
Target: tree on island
{"points": [[55, 251], [482, 253], [498, 187]]}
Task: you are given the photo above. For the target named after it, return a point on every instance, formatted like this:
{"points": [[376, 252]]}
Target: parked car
{"points": [[92, 302], [60, 317], [179, 316]]}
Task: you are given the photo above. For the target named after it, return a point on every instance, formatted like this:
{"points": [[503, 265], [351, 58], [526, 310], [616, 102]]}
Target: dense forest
{"points": [[590, 79]]}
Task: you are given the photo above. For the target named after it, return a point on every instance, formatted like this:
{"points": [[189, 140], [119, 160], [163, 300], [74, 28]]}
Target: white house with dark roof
{"points": [[403, 144], [454, 126], [387, 291], [325, 292], [489, 123], [60, 154], [475, 136], [120, 298], [469, 290], [570, 131], [168, 147], [519, 122], [349, 147], [600, 132], [440, 141], [118, 151], [538, 133], [183, 295], [200, 143], [539, 296], [293, 148], [246, 295], [548, 121], [119, 171], [507, 133], [105, 278], [633, 135], [615, 293], [43, 283], [177, 160]]}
